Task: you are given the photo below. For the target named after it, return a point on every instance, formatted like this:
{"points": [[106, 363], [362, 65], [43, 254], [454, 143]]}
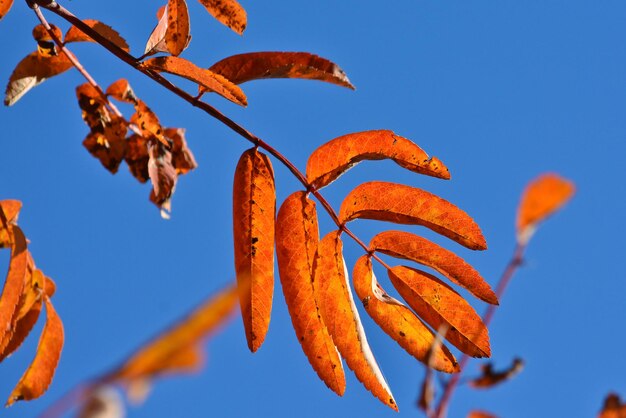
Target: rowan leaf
{"points": [[336, 304], [613, 407], [335, 157], [175, 346], [5, 6], [14, 283], [398, 321], [228, 12], [254, 211], [23, 327], [32, 71], [38, 376], [409, 246], [205, 78], [76, 35], [177, 34], [490, 377], [148, 123], [480, 414], [408, 205], [163, 176], [156, 42], [297, 237], [438, 304], [121, 90], [542, 197], [241, 68]]}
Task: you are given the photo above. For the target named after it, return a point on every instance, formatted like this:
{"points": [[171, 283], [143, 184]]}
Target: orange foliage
{"points": [[76, 35], [229, 12], [491, 378]]}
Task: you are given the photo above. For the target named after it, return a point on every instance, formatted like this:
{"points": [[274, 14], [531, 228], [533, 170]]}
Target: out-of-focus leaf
{"points": [[228, 12], [336, 304], [121, 90], [39, 374], [542, 197], [177, 34], [480, 414], [14, 283], [408, 205], [254, 211], [613, 407], [5, 6], [163, 176], [398, 321], [297, 237], [137, 157], [205, 78], [335, 157], [259, 65], [409, 246], [182, 157], [437, 304], [31, 71], [103, 402], [76, 35], [490, 377], [156, 43], [427, 393]]}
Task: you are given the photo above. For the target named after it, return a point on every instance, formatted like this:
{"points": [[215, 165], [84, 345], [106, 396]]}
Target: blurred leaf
{"points": [[5, 6], [491, 378], [480, 414], [613, 407]]}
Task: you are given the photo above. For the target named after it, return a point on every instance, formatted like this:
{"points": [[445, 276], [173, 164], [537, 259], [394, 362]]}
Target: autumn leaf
{"points": [[137, 157], [336, 304], [46, 45], [9, 210], [408, 205], [254, 210], [163, 176], [398, 321], [148, 123], [14, 283], [259, 65], [205, 78], [108, 146], [39, 374], [542, 197], [297, 237], [23, 327], [32, 71], [408, 246], [102, 402], [613, 407], [177, 35], [490, 377], [182, 157], [121, 90], [228, 12], [480, 414], [156, 42], [5, 6], [76, 35], [438, 304]]}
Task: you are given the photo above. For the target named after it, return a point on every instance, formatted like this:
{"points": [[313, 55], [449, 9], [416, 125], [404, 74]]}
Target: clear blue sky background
{"points": [[500, 91]]}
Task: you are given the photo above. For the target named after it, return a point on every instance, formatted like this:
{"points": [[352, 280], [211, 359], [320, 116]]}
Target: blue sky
{"points": [[500, 91]]}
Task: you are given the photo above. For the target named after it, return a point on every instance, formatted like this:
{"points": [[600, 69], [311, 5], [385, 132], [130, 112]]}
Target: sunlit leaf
{"points": [[254, 210], [5, 6], [121, 90], [408, 205], [14, 283], [76, 35], [156, 43], [23, 327], [398, 321], [490, 377], [335, 157], [613, 407], [336, 304], [182, 157], [10, 209], [480, 414], [148, 123], [46, 45], [297, 237], [229, 12], [177, 35]]}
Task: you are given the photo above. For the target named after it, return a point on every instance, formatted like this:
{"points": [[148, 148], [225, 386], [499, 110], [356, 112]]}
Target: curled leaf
{"points": [[297, 238], [228, 12], [542, 197], [336, 304], [408, 205], [177, 34], [156, 42], [137, 157], [121, 90], [182, 157], [241, 68], [409, 246], [14, 284], [491, 377], [163, 176], [254, 210], [76, 35], [46, 45], [23, 327], [335, 157], [398, 321]]}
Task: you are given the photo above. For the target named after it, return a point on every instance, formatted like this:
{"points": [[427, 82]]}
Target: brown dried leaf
{"points": [[31, 71], [76, 35], [38, 376], [156, 43], [182, 157], [5, 6], [163, 176], [205, 78], [228, 12], [613, 407], [254, 211], [491, 378], [148, 123], [409, 246], [14, 283], [259, 65], [297, 237], [177, 35], [542, 197], [108, 146], [398, 321], [335, 157], [408, 205], [121, 90], [137, 157], [438, 304], [336, 304]]}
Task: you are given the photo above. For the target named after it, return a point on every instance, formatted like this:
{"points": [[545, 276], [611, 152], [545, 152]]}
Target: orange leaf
{"points": [[10, 209], [177, 35], [408, 205], [613, 407], [49, 287], [228, 12], [258, 65], [254, 211], [398, 321], [480, 414], [335, 157], [408, 246], [38, 376], [173, 347], [542, 197], [14, 284], [205, 78], [156, 43], [46, 45], [31, 71], [297, 237], [137, 157], [491, 378], [163, 176], [340, 315], [120, 90], [23, 327], [5, 6], [437, 304], [148, 122], [182, 157], [76, 35]]}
